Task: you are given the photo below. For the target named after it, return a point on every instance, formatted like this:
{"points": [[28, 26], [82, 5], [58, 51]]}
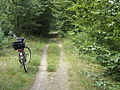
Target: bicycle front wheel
{"points": [[27, 52]]}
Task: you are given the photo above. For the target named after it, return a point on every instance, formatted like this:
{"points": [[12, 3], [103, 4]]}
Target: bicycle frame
{"points": [[20, 53]]}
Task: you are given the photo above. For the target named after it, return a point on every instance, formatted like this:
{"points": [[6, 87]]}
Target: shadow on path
{"points": [[53, 35]]}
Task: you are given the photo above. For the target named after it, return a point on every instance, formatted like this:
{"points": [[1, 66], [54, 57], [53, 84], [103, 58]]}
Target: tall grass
{"points": [[12, 77]]}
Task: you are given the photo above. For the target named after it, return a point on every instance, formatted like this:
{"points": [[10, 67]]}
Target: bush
{"points": [[1, 37], [94, 30]]}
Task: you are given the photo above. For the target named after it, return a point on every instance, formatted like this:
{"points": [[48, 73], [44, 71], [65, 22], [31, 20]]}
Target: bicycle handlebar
{"points": [[19, 39]]}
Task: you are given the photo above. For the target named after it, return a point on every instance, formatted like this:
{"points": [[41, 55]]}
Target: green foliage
{"points": [[26, 16], [101, 82], [1, 37], [93, 26]]}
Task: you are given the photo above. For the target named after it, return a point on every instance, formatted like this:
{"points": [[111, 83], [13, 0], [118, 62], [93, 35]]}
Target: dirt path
{"points": [[49, 80], [58, 80], [40, 83]]}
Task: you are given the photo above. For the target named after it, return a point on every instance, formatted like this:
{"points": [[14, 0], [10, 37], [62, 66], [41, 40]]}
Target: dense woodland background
{"points": [[93, 26]]}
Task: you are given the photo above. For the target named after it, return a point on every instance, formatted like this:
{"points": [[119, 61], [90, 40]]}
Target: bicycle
{"points": [[24, 52]]}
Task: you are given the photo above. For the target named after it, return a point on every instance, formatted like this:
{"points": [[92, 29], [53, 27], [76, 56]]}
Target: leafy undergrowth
{"points": [[84, 74], [53, 57], [78, 65], [12, 77]]}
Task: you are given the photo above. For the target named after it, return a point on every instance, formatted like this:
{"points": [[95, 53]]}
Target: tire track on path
{"points": [[40, 83], [59, 79]]}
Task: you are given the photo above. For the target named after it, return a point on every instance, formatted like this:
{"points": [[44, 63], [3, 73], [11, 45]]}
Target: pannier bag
{"points": [[18, 45]]}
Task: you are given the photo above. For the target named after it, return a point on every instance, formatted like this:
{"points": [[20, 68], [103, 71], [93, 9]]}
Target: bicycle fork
{"points": [[22, 59]]}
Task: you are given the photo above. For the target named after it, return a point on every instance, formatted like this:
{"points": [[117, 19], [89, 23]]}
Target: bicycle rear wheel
{"points": [[27, 52], [24, 65]]}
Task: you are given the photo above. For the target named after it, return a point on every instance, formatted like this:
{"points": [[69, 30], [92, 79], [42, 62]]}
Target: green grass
{"points": [[53, 57], [12, 77], [76, 65]]}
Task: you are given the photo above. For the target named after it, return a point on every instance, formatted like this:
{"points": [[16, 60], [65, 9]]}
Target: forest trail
{"points": [[58, 80], [40, 83], [51, 80]]}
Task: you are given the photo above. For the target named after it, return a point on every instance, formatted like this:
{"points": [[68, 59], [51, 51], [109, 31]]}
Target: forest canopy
{"points": [[21, 16]]}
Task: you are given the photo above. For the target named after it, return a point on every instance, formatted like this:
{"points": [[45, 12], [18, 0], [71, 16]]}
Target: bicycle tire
{"points": [[27, 52], [24, 65]]}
